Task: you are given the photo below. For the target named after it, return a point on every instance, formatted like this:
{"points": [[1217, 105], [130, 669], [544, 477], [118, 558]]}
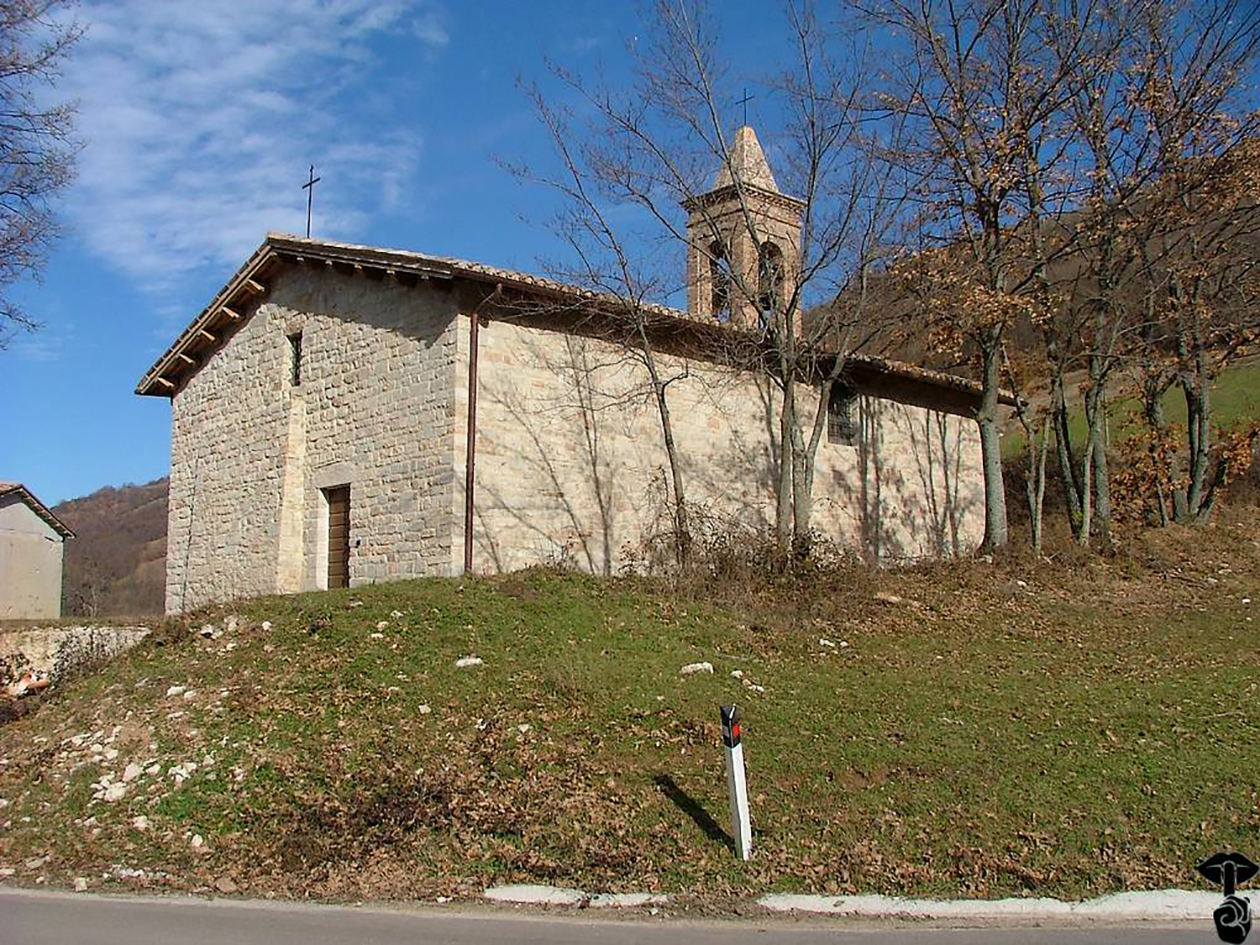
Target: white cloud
{"points": [[430, 27], [47, 345], [200, 120]]}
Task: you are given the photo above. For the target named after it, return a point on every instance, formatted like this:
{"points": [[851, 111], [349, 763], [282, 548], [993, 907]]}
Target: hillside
{"points": [[116, 564], [1062, 728], [1235, 398]]}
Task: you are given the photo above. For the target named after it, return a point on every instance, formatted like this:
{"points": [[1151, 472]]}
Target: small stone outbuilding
{"points": [[32, 540]]}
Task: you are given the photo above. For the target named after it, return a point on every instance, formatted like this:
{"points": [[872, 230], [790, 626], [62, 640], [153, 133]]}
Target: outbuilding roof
{"points": [[8, 489], [228, 309]]}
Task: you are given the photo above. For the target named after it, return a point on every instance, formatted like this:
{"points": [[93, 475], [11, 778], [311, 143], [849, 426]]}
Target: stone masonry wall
{"points": [[571, 464], [570, 460], [250, 453]]}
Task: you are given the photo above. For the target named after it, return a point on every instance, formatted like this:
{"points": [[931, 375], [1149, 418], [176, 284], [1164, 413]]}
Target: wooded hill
{"points": [[116, 564]]}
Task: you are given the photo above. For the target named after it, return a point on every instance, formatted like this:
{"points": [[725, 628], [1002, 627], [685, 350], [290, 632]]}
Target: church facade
{"points": [[328, 404]]}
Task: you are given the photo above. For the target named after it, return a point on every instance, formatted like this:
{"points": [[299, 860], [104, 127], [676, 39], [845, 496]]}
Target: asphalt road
{"points": [[37, 918]]}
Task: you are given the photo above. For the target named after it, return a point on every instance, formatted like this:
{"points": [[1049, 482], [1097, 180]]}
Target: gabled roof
{"points": [[207, 331], [20, 491]]}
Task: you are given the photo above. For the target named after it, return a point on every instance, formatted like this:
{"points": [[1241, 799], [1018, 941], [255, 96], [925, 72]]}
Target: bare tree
{"points": [[1207, 284], [985, 100], [37, 148], [1165, 211], [791, 314], [621, 283]]}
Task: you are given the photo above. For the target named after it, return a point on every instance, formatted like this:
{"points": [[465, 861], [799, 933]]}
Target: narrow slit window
{"points": [[842, 415], [295, 359]]}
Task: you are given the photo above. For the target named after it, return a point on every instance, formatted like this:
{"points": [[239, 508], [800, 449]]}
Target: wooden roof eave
{"points": [[903, 382], [188, 351]]}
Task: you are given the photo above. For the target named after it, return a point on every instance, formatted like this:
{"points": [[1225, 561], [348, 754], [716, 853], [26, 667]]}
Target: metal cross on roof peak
{"points": [[744, 101], [309, 187]]}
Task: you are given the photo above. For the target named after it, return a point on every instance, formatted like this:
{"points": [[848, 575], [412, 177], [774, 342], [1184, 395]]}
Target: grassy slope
{"points": [[1089, 732], [1235, 396]]}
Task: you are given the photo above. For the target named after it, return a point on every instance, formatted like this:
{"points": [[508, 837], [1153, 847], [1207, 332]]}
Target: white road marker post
{"points": [[736, 783]]}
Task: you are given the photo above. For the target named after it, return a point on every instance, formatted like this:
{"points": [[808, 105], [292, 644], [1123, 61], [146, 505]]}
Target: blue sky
{"points": [[199, 121]]}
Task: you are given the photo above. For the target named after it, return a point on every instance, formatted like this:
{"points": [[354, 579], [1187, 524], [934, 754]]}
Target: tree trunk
{"points": [[1096, 457], [996, 532], [1102, 491], [1063, 452], [682, 528], [1087, 492], [1035, 480], [995, 527], [1198, 412], [1098, 481], [786, 464], [1199, 426]]}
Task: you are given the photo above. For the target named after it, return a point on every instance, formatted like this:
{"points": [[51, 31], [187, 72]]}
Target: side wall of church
{"points": [[251, 452], [571, 465]]}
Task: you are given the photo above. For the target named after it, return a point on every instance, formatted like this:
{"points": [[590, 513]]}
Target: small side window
{"points": [[842, 415], [295, 359]]}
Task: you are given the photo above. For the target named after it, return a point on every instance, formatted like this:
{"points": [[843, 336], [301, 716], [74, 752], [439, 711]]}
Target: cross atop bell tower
{"points": [[743, 240]]}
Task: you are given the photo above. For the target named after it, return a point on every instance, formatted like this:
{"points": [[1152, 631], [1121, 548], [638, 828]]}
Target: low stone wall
{"points": [[30, 659]]}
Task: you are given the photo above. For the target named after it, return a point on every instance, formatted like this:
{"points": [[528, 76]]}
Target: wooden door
{"points": [[338, 536]]}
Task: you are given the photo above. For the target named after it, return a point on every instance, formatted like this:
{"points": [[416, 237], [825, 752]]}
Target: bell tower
{"points": [[743, 240]]}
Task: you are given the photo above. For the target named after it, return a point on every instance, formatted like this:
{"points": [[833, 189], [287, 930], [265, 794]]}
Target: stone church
{"points": [[345, 414]]}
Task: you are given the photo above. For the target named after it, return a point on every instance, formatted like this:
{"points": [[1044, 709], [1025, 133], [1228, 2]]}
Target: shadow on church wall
{"points": [[572, 467]]}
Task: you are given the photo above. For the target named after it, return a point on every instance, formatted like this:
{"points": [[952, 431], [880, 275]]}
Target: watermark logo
{"points": [[1233, 916]]}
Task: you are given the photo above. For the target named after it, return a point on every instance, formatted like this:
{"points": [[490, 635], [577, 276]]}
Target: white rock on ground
{"points": [[175, 691], [691, 668], [1160, 904], [109, 793], [131, 772], [469, 661]]}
